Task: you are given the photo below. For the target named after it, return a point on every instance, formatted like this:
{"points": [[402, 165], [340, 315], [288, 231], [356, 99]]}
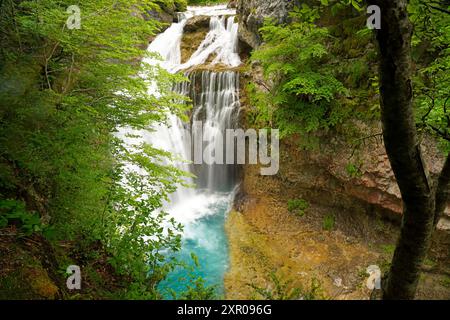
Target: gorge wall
{"points": [[372, 184], [353, 188], [252, 14]]}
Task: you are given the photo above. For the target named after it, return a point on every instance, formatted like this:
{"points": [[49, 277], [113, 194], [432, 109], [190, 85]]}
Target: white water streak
{"points": [[188, 205]]}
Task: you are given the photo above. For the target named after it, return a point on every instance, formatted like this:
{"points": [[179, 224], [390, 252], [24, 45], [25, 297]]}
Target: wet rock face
{"points": [[252, 14], [232, 4], [195, 32], [342, 177], [197, 24], [347, 180], [164, 16]]}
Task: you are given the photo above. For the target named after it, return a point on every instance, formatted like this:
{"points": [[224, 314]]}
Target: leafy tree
{"points": [[431, 51], [64, 95], [424, 198], [303, 87]]}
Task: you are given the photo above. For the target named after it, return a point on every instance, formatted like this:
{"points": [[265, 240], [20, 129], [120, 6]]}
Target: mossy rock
{"points": [[190, 42], [40, 283], [23, 277], [197, 23]]}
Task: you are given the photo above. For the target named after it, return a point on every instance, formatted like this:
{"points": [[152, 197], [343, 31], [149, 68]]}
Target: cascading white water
{"points": [[221, 40], [215, 98], [217, 107]]}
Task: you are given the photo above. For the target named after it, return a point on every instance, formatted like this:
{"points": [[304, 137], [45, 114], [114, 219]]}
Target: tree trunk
{"points": [[403, 149]]}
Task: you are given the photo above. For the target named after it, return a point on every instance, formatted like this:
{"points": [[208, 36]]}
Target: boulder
{"points": [[232, 4], [197, 24], [252, 14]]}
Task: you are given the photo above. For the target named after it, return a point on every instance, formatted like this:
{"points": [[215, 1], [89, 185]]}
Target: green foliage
{"points": [[285, 290], [431, 42], [181, 5], [14, 212], [319, 72], [328, 222], [388, 249], [64, 96], [196, 287], [353, 170], [385, 260], [205, 2], [296, 60], [357, 4], [298, 206], [198, 290], [446, 281], [173, 5], [358, 71], [429, 263]]}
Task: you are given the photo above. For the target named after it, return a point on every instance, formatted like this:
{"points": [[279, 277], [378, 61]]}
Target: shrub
{"points": [[298, 206], [285, 290], [295, 59], [353, 170], [328, 222]]}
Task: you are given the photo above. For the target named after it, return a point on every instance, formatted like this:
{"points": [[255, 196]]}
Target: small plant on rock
{"points": [[298, 206], [328, 222]]}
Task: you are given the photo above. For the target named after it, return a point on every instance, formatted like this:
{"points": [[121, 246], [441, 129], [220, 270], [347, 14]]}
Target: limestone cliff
{"points": [[252, 14], [354, 188]]}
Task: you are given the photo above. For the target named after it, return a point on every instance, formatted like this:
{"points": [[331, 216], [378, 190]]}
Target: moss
{"points": [[23, 276], [171, 6], [446, 282], [36, 269], [40, 283], [181, 5], [298, 206], [388, 249], [328, 222], [14, 286]]}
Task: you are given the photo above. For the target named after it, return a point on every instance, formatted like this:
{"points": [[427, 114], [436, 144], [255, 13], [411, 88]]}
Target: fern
{"points": [[295, 59]]}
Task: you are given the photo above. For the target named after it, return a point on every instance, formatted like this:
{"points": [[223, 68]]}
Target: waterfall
{"points": [[217, 107], [215, 99], [222, 40]]}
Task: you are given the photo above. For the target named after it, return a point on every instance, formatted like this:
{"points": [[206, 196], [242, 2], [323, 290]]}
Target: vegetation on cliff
{"points": [[313, 76], [65, 93]]}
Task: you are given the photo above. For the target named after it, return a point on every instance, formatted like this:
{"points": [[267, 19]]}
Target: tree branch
{"points": [[435, 5], [440, 132], [440, 9]]}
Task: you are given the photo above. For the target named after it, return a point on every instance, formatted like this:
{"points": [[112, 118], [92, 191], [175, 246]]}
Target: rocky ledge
{"points": [[252, 14]]}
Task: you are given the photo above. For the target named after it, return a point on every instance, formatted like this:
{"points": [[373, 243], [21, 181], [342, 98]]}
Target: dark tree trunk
{"points": [[403, 149]]}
